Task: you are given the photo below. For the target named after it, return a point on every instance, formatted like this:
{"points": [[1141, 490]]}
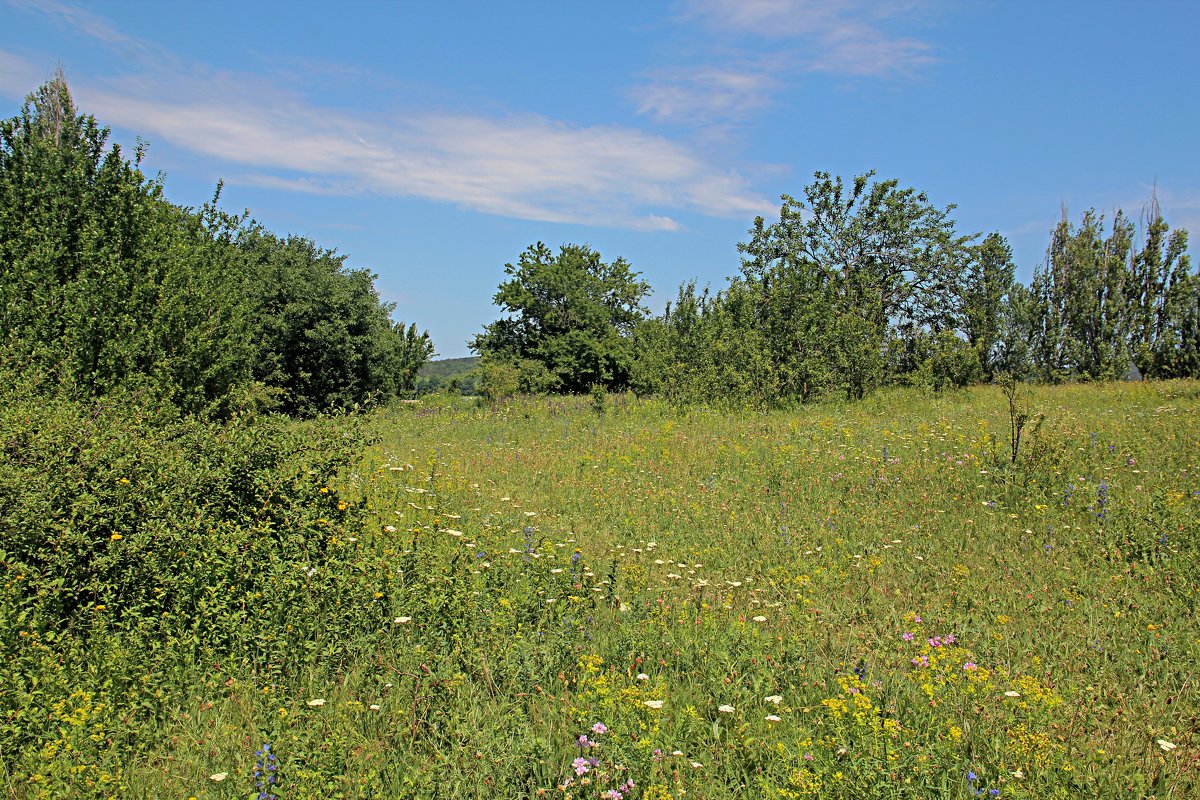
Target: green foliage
{"points": [[103, 283], [1082, 322], [950, 362], [324, 338], [706, 349], [107, 287], [498, 380], [985, 300], [572, 313], [828, 294], [1164, 294]]}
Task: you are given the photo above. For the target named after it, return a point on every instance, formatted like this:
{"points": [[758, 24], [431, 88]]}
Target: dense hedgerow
{"points": [[139, 543]]}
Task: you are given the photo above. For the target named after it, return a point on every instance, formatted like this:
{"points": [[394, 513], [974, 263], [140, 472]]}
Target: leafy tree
{"points": [[571, 319], [844, 268], [323, 336], [1082, 318], [1161, 289], [986, 286], [103, 284]]}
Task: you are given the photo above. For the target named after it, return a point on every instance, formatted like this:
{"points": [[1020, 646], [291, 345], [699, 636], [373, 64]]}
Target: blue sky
{"points": [[431, 143]]}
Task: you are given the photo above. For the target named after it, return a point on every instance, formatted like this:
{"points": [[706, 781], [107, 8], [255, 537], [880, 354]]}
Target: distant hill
{"points": [[453, 374], [447, 368]]}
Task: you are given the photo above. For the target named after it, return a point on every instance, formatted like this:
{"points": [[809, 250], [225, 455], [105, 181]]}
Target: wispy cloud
{"points": [[522, 166], [704, 94], [782, 40], [19, 75], [852, 37], [83, 21], [517, 165]]}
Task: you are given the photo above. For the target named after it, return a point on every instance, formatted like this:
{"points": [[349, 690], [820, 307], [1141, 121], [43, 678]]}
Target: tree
{"points": [[103, 284], [323, 335], [985, 291], [1081, 294], [845, 269], [572, 317], [1161, 288]]}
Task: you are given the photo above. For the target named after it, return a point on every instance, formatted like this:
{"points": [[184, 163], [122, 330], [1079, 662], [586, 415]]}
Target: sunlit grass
{"points": [[838, 602]]}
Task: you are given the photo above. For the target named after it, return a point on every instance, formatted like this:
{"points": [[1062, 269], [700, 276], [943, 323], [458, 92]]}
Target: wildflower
{"points": [[583, 742], [774, 699], [581, 766], [696, 765], [264, 773], [1011, 693], [773, 718], [218, 777], [402, 620], [317, 702], [759, 618], [1165, 745], [970, 665], [908, 636], [726, 709], [599, 728], [971, 777], [1101, 500], [653, 704], [641, 676]]}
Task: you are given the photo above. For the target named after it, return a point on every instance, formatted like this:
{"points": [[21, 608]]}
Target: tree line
{"points": [[853, 287], [106, 287]]}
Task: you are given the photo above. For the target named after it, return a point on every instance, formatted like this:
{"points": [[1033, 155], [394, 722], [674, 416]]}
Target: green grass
{"points": [[862, 601]]}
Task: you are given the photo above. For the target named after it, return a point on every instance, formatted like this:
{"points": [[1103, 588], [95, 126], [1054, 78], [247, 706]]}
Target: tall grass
{"points": [[601, 599]]}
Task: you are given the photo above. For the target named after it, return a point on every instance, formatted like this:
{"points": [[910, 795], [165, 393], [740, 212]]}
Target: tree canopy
{"points": [[571, 319], [104, 285]]}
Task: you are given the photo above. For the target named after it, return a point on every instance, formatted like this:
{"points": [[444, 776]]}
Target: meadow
{"points": [[613, 598]]}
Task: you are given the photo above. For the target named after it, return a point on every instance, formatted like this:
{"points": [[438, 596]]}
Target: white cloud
{"points": [[704, 94], [18, 77], [844, 36], [520, 165], [779, 40]]}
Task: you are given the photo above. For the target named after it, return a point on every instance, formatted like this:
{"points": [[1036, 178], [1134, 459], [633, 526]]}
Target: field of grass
{"points": [[862, 601]]}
